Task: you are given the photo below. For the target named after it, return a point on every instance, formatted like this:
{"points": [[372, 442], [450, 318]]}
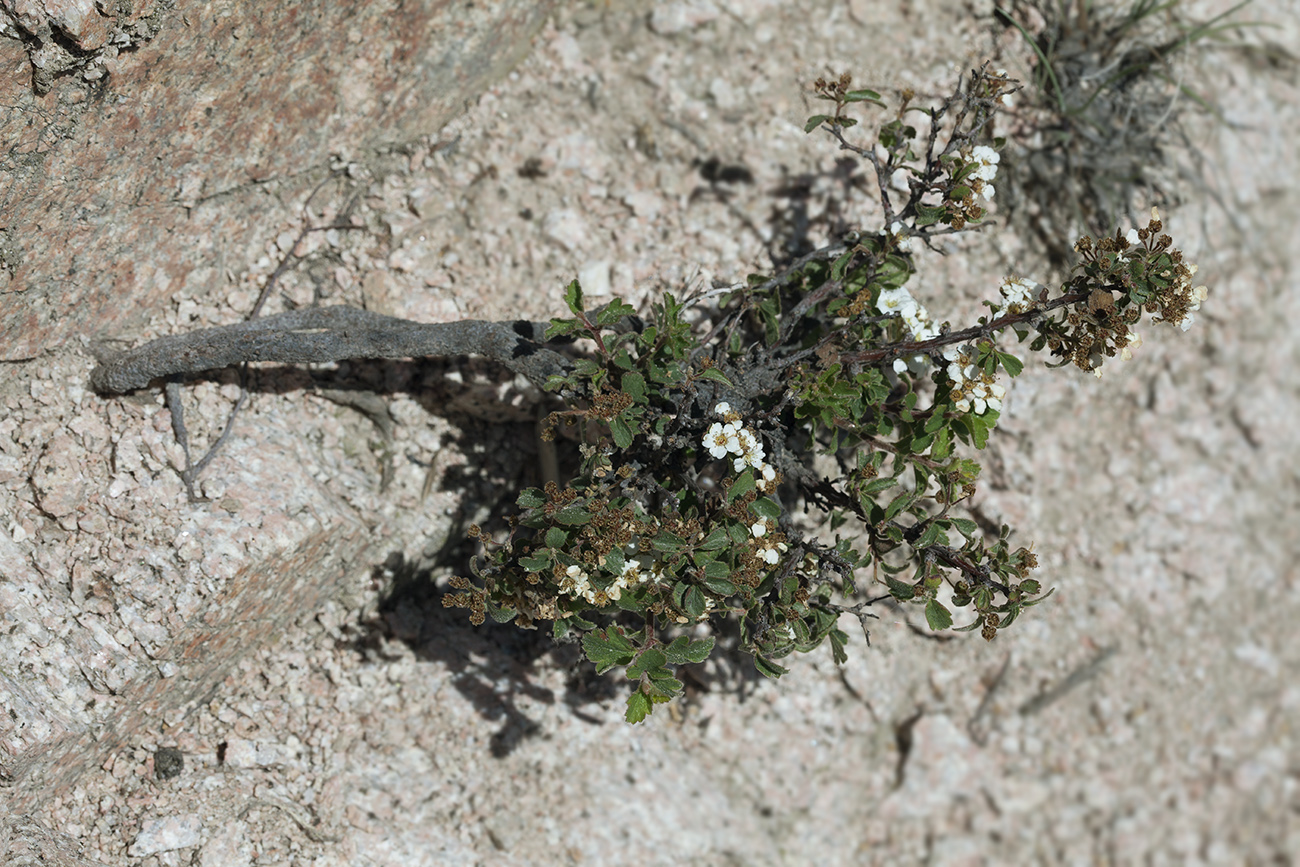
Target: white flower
{"points": [[1132, 237], [715, 440], [895, 300], [900, 366], [749, 444], [722, 408], [988, 166], [1134, 341], [902, 240], [613, 592], [758, 528], [1018, 289], [918, 322], [770, 556]]}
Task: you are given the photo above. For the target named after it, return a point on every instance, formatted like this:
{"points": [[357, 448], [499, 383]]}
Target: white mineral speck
{"points": [[166, 835]]}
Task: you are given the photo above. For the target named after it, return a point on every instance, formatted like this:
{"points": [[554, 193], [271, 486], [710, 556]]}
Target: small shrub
{"points": [[699, 442]]}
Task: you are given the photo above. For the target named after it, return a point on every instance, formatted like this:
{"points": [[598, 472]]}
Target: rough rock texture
{"points": [[119, 191], [126, 175], [1143, 716]]}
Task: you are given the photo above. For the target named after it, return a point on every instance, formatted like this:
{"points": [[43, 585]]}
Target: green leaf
{"points": [[767, 668], [981, 426], [634, 386], [622, 433], [573, 297], [650, 659], [663, 686], [766, 508], [743, 484], [530, 498], [837, 269], [501, 615], [693, 602], [720, 586], [933, 535], [573, 515], [614, 311], [863, 96], [942, 445], [698, 651], [676, 652], [639, 707], [614, 561], [838, 640], [683, 650], [815, 121], [555, 538], [937, 616], [667, 542], [898, 589], [1031, 603], [928, 216], [561, 327], [537, 563], [1010, 363], [608, 648], [716, 540], [716, 569], [875, 486], [712, 373], [966, 527], [898, 504]]}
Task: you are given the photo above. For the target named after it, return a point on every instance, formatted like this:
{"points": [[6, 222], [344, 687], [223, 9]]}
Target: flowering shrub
{"points": [[699, 437]]}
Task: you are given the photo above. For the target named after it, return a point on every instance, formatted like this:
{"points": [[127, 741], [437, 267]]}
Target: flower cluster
{"points": [[1019, 294], [575, 582], [914, 315], [769, 550], [1189, 297], [971, 386], [1152, 276], [981, 180], [730, 437]]}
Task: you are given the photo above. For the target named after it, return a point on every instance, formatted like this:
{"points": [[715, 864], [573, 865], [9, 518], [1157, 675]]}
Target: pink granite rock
{"points": [[118, 190]]}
